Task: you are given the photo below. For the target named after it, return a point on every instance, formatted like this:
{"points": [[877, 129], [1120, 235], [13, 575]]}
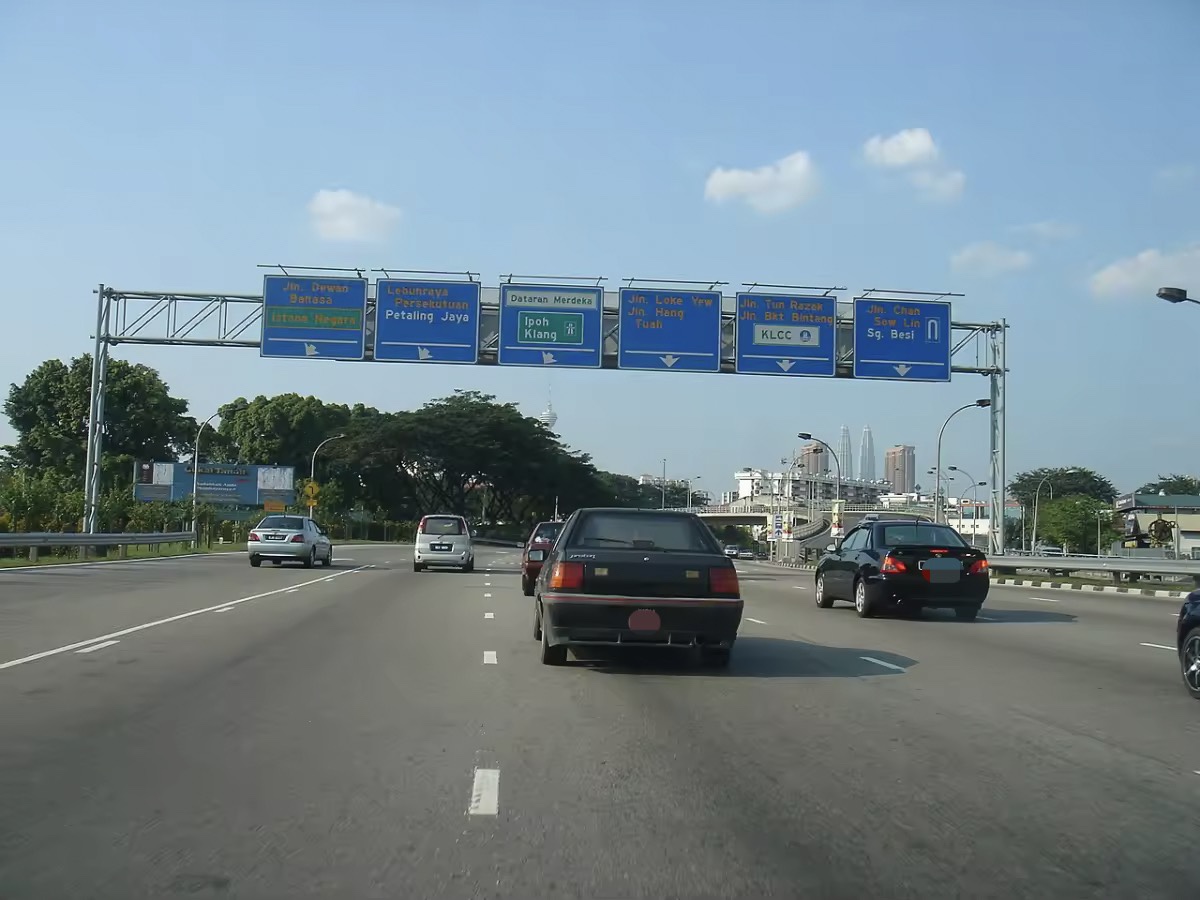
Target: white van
{"points": [[444, 540]]}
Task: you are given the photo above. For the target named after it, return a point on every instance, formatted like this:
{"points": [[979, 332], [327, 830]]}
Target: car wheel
{"points": [[822, 599], [328, 560], [417, 567], [552, 655], [863, 604], [537, 622], [526, 587], [311, 559], [715, 657], [1189, 662], [469, 567], [966, 613], [256, 561]]}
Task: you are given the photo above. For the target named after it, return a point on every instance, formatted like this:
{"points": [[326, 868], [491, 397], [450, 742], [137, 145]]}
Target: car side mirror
{"points": [[832, 548]]}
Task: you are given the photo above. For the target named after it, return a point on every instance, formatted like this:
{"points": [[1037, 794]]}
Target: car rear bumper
{"points": [[970, 591], [605, 621], [282, 550], [453, 558]]}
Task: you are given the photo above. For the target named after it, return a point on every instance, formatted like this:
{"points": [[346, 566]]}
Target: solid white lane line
{"points": [[224, 609], [755, 621], [99, 646], [489, 615], [800, 587], [1045, 599], [1157, 646], [187, 615], [489, 657], [485, 793], [986, 619], [880, 662]]}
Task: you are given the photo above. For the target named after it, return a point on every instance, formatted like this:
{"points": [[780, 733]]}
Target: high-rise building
{"points": [[846, 454], [900, 468], [866, 455], [814, 459]]}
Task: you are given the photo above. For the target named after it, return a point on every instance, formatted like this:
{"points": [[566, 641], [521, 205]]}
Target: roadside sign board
{"points": [[902, 340], [675, 330], [783, 334], [427, 321], [550, 325], [314, 318]]}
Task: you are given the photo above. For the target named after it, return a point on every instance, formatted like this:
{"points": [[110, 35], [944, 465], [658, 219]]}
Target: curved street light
{"points": [[196, 477], [937, 488], [975, 486], [1037, 495], [312, 468], [1175, 295], [837, 489]]}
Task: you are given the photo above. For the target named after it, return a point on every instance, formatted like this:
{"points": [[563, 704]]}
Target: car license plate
{"points": [[943, 571], [274, 537], [440, 548]]}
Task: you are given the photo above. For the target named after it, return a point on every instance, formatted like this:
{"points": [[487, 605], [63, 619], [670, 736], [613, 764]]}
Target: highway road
{"points": [[198, 728]]}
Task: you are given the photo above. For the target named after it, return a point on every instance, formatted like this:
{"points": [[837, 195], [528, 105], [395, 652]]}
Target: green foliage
{"points": [[1061, 481], [1172, 484], [1072, 522]]}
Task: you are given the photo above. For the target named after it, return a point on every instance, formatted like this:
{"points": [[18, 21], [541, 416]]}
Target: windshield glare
{"points": [[650, 532], [921, 535]]}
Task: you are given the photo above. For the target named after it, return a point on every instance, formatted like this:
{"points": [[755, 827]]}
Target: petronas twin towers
{"points": [[866, 454]]}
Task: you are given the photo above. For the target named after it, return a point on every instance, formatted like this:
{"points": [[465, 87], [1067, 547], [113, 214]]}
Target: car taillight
{"points": [[298, 539], [722, 580], [979, 567], [566, 576], [892, 566], [254, 537], [421, 525]]}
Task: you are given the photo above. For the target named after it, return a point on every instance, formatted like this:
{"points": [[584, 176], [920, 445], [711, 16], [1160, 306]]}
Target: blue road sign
{"points": [[314, 317], [902, 340], [427, 321], [785, 334], [672, 329], [217, 483], [551, 325]]}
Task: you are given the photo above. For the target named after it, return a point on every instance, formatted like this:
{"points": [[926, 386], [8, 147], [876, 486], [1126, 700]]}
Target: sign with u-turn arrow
{"points": [[902, 340]]}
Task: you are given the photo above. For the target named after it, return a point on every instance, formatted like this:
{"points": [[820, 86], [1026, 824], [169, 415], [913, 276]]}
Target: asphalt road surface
{"points": [[199, 728]]}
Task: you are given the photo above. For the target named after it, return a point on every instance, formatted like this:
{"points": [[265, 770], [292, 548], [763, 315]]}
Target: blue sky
{"points": [[1042, 159]]}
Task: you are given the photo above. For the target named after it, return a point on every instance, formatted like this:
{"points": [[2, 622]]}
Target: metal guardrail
{"points": [[73, 539], [1114, 564]]}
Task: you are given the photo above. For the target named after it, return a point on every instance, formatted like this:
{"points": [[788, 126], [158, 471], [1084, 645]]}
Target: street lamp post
{"points": [[975, 486], [1175, 295], [687, 483], [196, 478], [837, 490], [937, 487], [664, 483], [312, 469], [1037, 496]]}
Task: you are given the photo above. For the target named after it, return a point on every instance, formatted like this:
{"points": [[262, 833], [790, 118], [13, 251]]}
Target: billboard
{"points": [[224, 484]]}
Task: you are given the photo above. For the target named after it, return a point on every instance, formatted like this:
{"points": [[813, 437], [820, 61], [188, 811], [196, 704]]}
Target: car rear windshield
{"points": [[442, 525], [282, 523], [921, 534], [548, 533], [670, 533]]}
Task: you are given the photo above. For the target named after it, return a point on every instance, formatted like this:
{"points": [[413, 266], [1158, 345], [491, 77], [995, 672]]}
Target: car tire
{"points": [[821, 598], [864, 603], [469, 567], [552, 655], [1189, 662], [311, 559], [715, 657], [537, 623], [526, 586], [966, 613], [417, 567], [328, 560], [256, 561]]}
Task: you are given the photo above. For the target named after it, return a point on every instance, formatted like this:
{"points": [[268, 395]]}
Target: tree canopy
{"points": [[1078, 522], [1171, 484], [1061, 481]]}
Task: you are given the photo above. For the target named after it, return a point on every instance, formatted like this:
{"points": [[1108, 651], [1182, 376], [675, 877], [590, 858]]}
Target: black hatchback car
{"points": [[634, 576], [1188, 641], [898, 565]]}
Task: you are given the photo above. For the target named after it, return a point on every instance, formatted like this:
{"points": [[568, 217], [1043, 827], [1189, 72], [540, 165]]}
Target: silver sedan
{"points": [[297, 538]]}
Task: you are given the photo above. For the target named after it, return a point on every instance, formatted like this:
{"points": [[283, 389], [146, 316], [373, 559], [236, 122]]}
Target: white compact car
{"points": [[444, 540]]}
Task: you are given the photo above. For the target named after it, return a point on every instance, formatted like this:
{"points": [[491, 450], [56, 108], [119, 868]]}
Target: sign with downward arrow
{"points": [[786, 334], [675, 329]]}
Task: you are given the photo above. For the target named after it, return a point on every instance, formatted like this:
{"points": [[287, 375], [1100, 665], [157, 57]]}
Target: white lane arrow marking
{"points": [[669, 360], [903, 370], [785, 364], [547, 358]]}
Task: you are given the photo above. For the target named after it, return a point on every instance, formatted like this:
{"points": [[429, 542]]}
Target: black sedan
{"points": [[1188, 641], [637, 577], [898, 565]]}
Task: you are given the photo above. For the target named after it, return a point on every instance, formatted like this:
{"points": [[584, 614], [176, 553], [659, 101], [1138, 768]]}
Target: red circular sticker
{"points": [[644, 620]]}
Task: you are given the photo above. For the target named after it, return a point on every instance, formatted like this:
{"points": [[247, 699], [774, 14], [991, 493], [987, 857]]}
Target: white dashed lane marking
{"points": [[99, 646], [485, 793], [755, 621], [1157, 646], [489, 657], [487, 596], [489, 615], [880, 662], [1045, 599]]}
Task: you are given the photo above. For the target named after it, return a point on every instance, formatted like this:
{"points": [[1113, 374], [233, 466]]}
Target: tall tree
{"points": [[49, 411], [1080, 523], [1061, 482], [1172, 484], [281, 430]]}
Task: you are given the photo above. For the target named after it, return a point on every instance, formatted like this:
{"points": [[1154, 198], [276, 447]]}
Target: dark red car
{"points": [[537, 548]]}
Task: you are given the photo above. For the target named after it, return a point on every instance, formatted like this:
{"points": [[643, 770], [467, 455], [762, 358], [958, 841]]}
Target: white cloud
{"points": [[987, 258], [939, 185], [342, 215], [914, 151], [1048, 230], [910, 147], [1140, 276], [772, 188]]}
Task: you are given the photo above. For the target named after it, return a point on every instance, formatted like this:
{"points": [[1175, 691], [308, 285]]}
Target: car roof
{"points": [[627, 510]]}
